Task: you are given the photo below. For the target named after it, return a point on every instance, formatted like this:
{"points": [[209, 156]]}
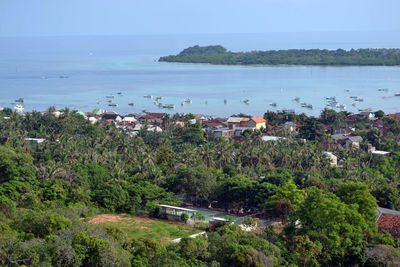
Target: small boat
{"points": [[19, 100], [63, 77], [188, 100], [148, 96], [342, 106], [113, 105], [297, 99], [182, 104], [98, 102], [354, 97], [359, 99], [170, 106], [305, 105], [206, 102], [354, 104], [131, 104], [246, 101], [120, 93], [19, 108], [109, 100], [332, 98], [225, 101], [396, 94], [347, 90], [110, 96], [365, 110], [158, 98], [273, 104], [383, 89]]}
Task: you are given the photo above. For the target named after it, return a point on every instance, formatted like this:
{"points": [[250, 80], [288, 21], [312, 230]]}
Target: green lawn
{"points": [[136, 227]]}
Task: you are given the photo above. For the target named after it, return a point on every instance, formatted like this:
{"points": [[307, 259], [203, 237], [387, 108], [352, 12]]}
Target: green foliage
{"points": [[219, 55], [184, 217], [338, 227]]}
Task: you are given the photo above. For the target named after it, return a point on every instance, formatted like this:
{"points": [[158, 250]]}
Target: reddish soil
{"points": [[105, 218]]}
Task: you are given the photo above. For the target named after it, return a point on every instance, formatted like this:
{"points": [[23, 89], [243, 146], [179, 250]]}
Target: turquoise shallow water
{"points": [[99, 66]]}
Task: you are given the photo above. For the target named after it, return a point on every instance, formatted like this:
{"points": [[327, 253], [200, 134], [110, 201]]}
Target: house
{"points": [[35, 141], [395, 116], [290, 125], [353, 141], [339, 139], [92, 120], [240, 130], [113, 116], [332, 158], [257, 122], [224, 132], [152, 117], [389, 220], [129, 120], [237, 121], [343, 131], [366, 115]]}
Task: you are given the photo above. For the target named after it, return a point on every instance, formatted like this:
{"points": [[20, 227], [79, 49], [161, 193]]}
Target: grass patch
{"points": [[137, 227]]}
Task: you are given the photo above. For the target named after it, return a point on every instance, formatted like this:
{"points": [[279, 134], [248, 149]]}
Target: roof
{"points": [[129, 119], [339, 137], [258, 119], [390, 223], [355, 138], [270, 138], [329, 154], [394, 116], [234, 119], [153, 116], [380, 152], [387, 211], [176, 208]]}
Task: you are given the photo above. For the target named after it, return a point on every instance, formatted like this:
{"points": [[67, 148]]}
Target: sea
{"points": [[78, 72]]}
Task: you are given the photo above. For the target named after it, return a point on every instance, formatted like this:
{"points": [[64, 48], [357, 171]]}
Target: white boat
{"points": [[246, 101], [342, 106], [188, 100], [19, 108]]}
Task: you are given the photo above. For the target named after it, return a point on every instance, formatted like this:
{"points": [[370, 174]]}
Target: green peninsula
{"points": [[221, 56]]}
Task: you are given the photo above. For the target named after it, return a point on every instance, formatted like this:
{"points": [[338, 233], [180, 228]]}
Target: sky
{"points": [[133, 17]]}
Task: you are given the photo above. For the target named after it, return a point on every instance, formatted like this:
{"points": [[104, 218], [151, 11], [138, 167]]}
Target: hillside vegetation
{"points": [[354, 57]]}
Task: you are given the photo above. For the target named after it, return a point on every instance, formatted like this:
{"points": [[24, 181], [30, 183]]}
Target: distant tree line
{"points": [[323, 57]]}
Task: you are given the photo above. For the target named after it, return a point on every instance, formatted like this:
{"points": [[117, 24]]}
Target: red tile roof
{"points": [[394, 116], [258, 119], [390, 223]]}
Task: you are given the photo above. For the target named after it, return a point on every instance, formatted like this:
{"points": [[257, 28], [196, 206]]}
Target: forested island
{"points": [[75, 191], [221, 56]]}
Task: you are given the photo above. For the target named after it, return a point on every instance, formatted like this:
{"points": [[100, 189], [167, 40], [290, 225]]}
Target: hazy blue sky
{"points": [[126, 17]]}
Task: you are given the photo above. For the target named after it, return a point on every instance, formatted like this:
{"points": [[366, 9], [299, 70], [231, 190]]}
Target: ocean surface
{"points": [[31, 67]]}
